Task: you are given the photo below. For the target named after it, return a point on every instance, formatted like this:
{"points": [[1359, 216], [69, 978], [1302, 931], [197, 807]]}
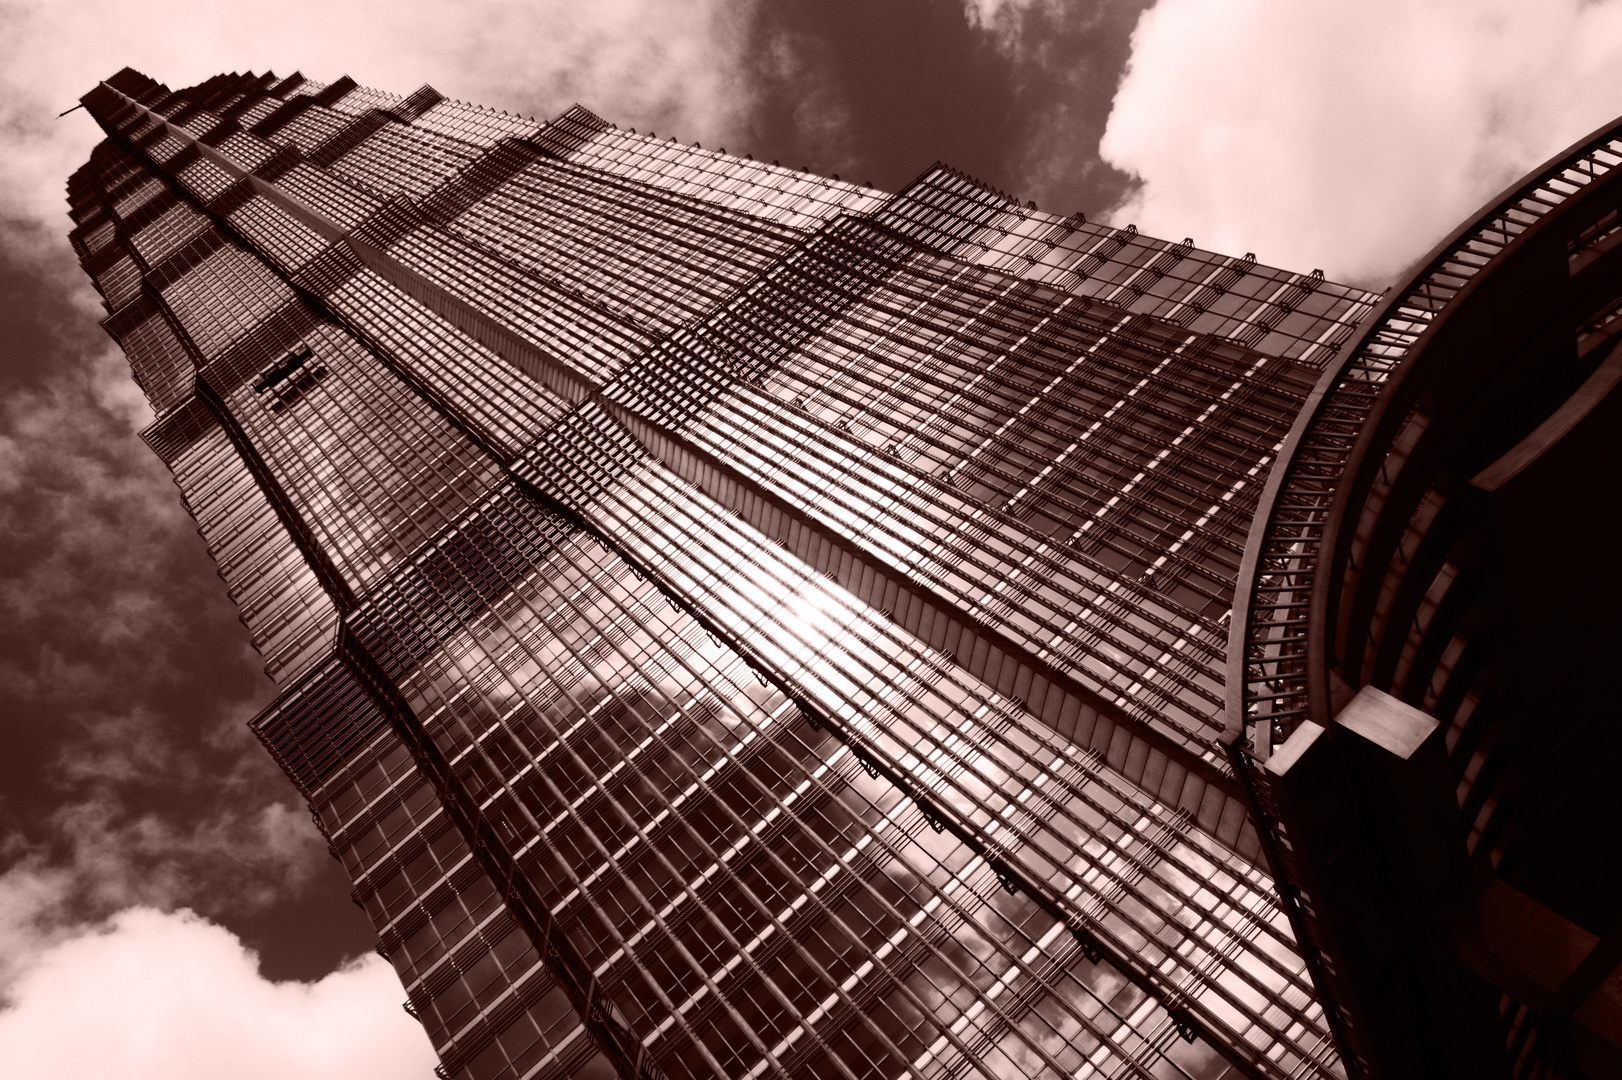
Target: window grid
{"points": [[1055, 427]]}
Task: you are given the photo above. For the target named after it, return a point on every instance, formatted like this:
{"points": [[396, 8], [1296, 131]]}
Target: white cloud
{"points": [[102, 513], [30, 896], [821, 111], [229, 859], [1351, 135], [169, 994], [988, 13]]}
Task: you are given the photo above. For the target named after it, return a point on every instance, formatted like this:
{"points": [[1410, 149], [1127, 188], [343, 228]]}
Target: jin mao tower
{"points": [[729, 621]]}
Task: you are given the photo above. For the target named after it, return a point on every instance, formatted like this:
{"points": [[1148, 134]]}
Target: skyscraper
{"points": [[732, 621]]}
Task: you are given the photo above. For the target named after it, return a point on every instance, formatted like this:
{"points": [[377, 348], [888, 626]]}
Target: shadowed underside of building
{"points": [[733, 622]]}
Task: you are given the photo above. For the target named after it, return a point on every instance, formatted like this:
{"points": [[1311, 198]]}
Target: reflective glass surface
{"points": [[732, 622]]}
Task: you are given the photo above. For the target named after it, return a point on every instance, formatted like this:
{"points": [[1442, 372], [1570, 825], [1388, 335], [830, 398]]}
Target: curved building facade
{"points": [[1425, 645]]}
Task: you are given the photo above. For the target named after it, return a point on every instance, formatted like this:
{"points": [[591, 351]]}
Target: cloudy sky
{"points": [[166, 909]]}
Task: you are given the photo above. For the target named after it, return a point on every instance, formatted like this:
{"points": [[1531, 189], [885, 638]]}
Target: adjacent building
{"points": [[1423, 660], [734, 622]]}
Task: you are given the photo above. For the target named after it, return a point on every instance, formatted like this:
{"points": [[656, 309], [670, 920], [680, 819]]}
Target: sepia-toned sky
{"points": [[166, 907]]}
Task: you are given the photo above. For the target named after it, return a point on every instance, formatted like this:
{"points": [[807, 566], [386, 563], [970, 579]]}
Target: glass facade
{"points": [[731, 622]]}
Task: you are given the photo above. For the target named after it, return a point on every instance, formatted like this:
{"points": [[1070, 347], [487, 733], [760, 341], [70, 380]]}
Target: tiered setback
{"points": [[733, 622]]}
